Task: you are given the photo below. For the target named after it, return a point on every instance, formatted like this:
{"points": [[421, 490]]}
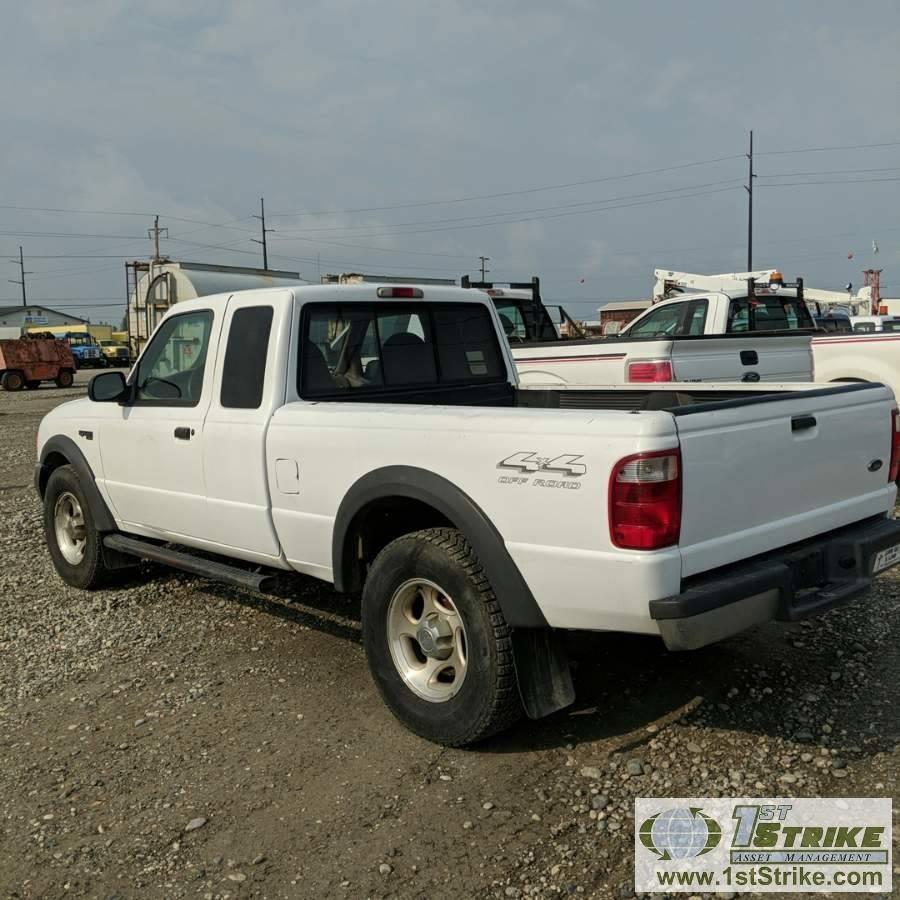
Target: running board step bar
{"points": [[205, 568]]}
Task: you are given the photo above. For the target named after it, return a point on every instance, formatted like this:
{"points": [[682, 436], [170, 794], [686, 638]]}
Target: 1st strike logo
{"points": [[529, 463]]}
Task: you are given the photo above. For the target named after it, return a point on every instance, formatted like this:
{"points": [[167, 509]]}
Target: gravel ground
{"points": [[174, 738]]}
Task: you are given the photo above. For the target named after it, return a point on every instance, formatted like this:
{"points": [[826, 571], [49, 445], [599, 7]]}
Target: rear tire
{"points": [[72, 537], [65, 378], [32, 385], [12, 381], [438, 646]]}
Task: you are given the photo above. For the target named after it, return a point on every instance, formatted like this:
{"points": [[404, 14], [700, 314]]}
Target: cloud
{"points": [[197, 109]]}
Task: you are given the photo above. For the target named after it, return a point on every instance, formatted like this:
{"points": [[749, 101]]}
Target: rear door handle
{"points": [[749, 357], [802, 423], [183, 433]]}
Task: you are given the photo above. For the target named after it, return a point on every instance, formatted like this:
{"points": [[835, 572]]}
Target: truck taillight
{"points": [[645, 501], [649, 371], [894, 470]]}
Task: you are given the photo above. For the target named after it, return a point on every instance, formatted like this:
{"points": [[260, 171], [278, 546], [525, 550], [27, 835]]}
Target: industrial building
{"points": [[155, 286], [14, 320]]}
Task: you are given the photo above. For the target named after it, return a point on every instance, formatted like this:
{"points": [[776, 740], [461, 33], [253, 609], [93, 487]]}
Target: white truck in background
{"points": [[742, 308], [668, 348], [376, 438]]}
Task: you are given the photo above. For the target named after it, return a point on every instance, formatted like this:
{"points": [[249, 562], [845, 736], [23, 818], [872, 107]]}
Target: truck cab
{"points": [[86, 350], [524, 316]]}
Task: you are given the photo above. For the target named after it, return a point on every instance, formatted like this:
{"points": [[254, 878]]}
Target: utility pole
{"points": [[20, 262], [484, 271], [262, 222], [749, 188], [155, 233]]}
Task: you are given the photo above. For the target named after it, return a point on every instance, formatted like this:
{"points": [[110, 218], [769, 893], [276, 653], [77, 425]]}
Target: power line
{"points": [[35, 301], [841, 181], [532, 190], [833, 172], [113, 212], [22, 273], [72, 234], [262, 224], [552, 216], [830, 149], [482, 216]]}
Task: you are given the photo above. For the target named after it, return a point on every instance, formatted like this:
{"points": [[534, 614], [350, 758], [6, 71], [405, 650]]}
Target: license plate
{"points": [[886, 558]]}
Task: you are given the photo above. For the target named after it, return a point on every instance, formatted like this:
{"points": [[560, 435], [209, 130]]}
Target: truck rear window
{"points": [[768, 314], [365, 347]]}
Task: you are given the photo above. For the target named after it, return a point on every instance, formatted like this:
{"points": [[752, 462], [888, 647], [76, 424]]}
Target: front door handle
{"points": [[183, 433], [749, 357]]}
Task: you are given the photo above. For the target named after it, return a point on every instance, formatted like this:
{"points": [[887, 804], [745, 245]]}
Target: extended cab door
{"points": [[249, 385], [152, 448]]}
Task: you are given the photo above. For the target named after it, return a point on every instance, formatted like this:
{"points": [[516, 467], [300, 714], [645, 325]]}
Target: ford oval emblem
{"points": [[875, 465]]}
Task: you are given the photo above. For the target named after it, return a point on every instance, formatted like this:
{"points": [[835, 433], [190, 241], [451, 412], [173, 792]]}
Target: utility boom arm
{"points": [[667, 282]]}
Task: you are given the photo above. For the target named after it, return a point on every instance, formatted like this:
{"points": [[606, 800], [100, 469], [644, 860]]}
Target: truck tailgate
{"points": [[765, 472], [752, 357]]}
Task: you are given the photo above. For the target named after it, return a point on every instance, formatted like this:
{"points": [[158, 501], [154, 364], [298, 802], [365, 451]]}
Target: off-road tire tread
{"points": [[96, 574], [505, 707]]}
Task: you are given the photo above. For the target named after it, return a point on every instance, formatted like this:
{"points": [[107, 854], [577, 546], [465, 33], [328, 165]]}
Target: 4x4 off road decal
{"points": [[529, 463]]}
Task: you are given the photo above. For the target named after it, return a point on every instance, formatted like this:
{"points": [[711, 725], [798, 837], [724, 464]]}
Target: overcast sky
{"points": [[196, 108]]}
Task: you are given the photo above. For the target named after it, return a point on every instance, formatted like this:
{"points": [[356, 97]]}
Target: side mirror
{"points": [[108, 387]]}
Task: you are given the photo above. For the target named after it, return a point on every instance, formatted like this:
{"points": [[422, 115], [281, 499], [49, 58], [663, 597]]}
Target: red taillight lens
{"points": [[652, 371], [645, 501], [894, 470], [407, 293]]}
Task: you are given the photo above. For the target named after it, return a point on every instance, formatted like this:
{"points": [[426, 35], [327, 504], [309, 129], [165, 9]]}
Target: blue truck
{"points": [[85, 349]]}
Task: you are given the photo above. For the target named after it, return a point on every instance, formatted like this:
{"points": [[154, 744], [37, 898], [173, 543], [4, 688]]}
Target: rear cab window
{"points": [[767, 313], [359, 348]]}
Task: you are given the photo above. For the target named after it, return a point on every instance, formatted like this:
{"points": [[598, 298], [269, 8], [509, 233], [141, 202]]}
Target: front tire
{"points": [[72, 536], [438, 646], [65, 378], [12, 381]]}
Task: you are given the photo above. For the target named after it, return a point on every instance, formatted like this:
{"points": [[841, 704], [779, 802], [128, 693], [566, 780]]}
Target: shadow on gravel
{"points": [[624, 683], [302, 601]]}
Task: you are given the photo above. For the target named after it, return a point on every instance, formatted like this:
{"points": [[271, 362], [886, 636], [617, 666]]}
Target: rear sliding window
{"points": [[768, 314], [244, 372], [365, 347]]}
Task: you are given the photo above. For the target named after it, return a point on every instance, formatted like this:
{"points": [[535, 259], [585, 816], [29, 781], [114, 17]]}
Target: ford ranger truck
{"points": [[375, 437]]}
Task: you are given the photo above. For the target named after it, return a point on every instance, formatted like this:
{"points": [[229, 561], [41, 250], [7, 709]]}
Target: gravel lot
{"points": [[173, 738]]}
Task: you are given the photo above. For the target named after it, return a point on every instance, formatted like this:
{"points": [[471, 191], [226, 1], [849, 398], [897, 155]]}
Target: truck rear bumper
{"points": [[791, 584]]}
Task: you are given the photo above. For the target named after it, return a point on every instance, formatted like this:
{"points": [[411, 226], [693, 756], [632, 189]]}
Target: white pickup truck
{"points": [[375, 438], [666, 348], [853, 357]]}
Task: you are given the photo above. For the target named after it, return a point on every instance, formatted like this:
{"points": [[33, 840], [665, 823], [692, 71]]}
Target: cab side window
{"points": [[172, 368], [661, 322], [512, 320]]}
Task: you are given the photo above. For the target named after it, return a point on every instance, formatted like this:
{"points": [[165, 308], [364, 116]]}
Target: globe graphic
{"points": [[681, 833]]}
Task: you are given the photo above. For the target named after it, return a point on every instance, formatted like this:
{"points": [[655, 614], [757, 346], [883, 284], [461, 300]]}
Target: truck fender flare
{"points": [[60, 445], [516, 600]]}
